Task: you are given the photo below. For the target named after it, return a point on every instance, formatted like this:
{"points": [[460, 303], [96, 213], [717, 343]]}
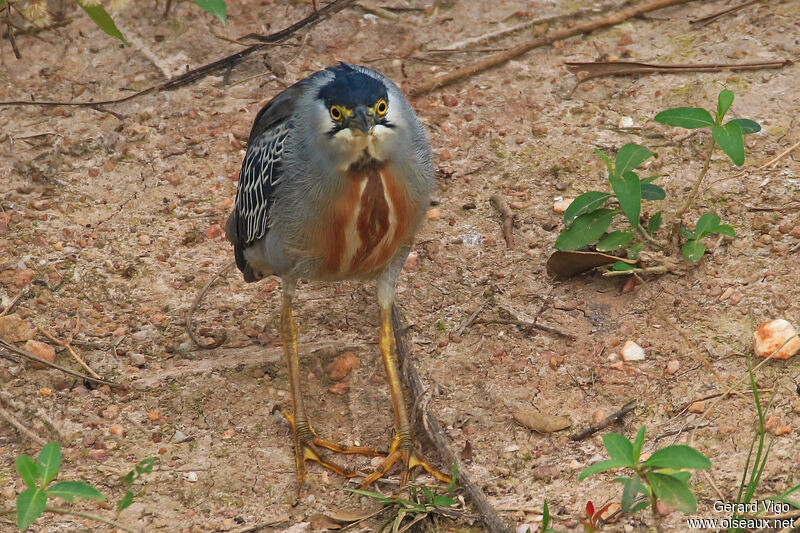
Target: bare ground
{"points": [[114, 225]]}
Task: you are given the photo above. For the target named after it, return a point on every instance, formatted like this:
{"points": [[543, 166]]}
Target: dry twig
{"points": [[704, 21], [503, 57], [197, 300], [20, 295], [31, 357], [607, 421], [68, 345], [434, 430], [21, 428]]}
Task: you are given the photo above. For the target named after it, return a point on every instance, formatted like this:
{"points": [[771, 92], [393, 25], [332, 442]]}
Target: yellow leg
{"points": [[402, 448], [306, 442]]}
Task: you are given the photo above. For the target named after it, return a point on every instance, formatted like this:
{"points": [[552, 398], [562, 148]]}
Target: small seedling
{"points": [[663, 476], [708, 224], [421, 503], [587, 220], [145, 466], [593, 516], [38, 476]]}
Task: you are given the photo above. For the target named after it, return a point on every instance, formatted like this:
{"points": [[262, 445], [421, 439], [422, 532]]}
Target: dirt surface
{"points": [[114, 224]]}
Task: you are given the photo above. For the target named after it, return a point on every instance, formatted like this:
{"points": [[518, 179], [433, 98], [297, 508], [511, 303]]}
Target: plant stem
{"points": [[690, 199], [96, 518], [648, 238]]}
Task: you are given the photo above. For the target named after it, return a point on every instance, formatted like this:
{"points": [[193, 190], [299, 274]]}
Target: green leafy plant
{"points": [[145, 466], [38, 476], [587, 218], [590, 217], [662, 476], [421, 503]]}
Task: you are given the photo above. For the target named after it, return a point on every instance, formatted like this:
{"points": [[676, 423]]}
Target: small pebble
{"points": [[343, 365], [632, 352], [772, 335], [697, 407], [153, 416], [191, 477], [117, 430], [42, 350], [434, 214], [672, 367], [560, 206]]}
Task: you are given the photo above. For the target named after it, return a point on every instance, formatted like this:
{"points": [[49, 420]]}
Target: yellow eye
{"points": [[381, 107], [336, 112]]}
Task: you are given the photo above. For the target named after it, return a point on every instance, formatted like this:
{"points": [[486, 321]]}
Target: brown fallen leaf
{"points": [[542, 422], [466, 453], [321, 522], [567, 264]]}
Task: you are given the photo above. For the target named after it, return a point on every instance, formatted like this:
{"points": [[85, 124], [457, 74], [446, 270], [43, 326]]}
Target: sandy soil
{"points": [[113, 224]]}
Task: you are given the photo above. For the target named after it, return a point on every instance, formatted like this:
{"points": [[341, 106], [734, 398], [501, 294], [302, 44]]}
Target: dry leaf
{"points": [[542, 422], [349, 516], [567, 264]]}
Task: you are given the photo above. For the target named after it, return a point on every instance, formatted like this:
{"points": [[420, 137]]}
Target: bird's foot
{"points": [[402, 451], [308, 447]]}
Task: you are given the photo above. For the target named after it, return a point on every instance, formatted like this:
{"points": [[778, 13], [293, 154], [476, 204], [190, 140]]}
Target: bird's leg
{"points": [[402, 448], [306, 442]]}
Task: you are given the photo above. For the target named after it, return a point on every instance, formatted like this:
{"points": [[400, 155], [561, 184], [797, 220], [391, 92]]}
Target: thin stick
{"points": [[434, 430], [21, 294], [469, 320], [67, 345], [22, 429], [607, 421], [503, 57], [45, 362], [526, 324], [690, 199], [88, 516], [508, 218], [197, 300], [704, 21], [679, 431]]}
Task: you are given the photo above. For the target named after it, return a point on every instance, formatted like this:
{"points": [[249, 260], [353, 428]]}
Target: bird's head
{"points": [[356, 102]]}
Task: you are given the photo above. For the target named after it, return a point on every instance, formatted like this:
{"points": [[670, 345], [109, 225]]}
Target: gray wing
{"points": [[260, 174]]}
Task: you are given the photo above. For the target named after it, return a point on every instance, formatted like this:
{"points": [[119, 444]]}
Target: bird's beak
{"points": [[361, 120]]}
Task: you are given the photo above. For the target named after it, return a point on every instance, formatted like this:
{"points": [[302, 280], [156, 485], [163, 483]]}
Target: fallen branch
{"points": [[434, 430], [22, 429], [503, 57], [704, 21], [225, 63], [607, 421], [508, 218], [67, 344], [45, 362]]}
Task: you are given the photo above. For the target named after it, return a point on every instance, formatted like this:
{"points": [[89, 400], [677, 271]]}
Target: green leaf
{"points": [[729, 137], [619, 447], [145, 466], [605, 158], [639, 506], [215, 7], [628, 189], [614, 240], [442, 501], [747, 125], [30, 505], [377, 496], [638, 442], [103, 20], [686, 117], [622, 266], [28, 470], [631, 156], [686, 233], [652, 192], [126, 501], [49, 461], [585, 203], [545, 516], [724, 102], [693, 250], [629, 492], [585, 229], [69, 490], [678, 456], [725, 229], [654, 224], [706, 224], [673, 492], [650, 179], [602, 466], [453, 478], [633, 251]]}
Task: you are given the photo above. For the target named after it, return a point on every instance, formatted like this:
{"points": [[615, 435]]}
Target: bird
{"points": [[335, 183]]}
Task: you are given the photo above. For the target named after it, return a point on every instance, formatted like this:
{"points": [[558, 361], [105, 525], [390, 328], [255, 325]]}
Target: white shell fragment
{"points": [[632, 352], [772, 335]]}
